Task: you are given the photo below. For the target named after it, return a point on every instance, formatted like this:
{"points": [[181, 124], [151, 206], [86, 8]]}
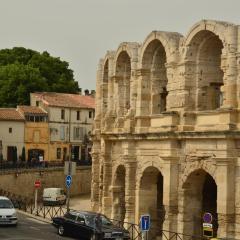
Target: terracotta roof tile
{"points": [[66, 100], [31, 110], [10, 114]]}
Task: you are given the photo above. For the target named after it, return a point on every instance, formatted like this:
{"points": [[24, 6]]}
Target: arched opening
{"points": [[205, 50], [105, 88], [123, 73], [119, 209], [154, 60], [200, 196], [151, 199]]}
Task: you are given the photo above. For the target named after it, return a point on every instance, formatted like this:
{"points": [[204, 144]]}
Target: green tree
{"points": [[23, 71]]}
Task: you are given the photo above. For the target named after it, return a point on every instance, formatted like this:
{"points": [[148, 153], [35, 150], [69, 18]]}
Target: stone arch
{"points": [[105, 87], [122, 75], [157, 51], [118, 193], [206, 48], [150, 199], [207, 166], [199, 195]]}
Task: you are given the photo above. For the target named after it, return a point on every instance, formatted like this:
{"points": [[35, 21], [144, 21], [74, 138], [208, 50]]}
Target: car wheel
{"points": [[61, 230]]}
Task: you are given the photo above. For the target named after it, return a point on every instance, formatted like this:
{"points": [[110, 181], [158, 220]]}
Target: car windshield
{"points": [[91, 220], [5, 203]]}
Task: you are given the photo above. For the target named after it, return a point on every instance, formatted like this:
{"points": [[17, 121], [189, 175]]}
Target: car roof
{"points": [[74, 212], [4, 198]]}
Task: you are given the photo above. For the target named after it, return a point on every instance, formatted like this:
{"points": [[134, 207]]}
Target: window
{"points": [[10, 130], [63, 114], [37, 103], [62, 132], [58, 153], [78, 115], [90, 114], [78, 133]]}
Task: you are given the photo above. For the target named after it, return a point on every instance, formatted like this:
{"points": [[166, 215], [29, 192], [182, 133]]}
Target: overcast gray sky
{"points": [[81, 31]]}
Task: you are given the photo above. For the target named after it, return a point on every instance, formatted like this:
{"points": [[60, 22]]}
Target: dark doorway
{"points": [[75, 153], [33, 155], [11, 153]]}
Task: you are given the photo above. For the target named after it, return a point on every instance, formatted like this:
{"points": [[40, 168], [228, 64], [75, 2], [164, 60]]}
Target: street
{"points": [[30, 229]]}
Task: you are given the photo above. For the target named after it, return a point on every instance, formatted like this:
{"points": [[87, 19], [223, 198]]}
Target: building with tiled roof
{"points": [[10, 114], [70, 119], [65, 100], [11, 134]]}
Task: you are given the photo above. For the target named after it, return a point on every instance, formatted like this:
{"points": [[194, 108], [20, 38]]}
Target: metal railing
{"points": [[7, 165], [48, 212]]}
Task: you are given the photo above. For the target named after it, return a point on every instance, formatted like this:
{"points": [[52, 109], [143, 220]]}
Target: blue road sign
{"points": [[145, 222], [68, 180]]}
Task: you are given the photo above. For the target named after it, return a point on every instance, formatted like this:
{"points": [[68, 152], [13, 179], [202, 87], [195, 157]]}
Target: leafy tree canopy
{"points": [[23, 71]]}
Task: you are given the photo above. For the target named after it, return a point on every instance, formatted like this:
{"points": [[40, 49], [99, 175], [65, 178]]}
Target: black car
{"points": [[89, 226]]}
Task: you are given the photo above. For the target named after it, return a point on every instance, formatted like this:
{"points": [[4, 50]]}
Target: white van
{"points": [[53, 196]]}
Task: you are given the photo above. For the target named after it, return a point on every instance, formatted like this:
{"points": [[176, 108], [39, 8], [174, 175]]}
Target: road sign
{"points": [[207, 232], [145, 222], [207, 217], [68, 180], [37, 184]]}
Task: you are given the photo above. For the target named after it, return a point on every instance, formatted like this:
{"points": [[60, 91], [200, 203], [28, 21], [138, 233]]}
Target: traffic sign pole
{"points": [[37, 185], [68, 184]]}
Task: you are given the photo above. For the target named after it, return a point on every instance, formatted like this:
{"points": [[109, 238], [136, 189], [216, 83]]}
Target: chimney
{"points": [[80, 91], [86, 91], [93, 93]]}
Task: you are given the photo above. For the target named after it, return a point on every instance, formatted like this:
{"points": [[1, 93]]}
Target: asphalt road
{"points": [[30, 229]]}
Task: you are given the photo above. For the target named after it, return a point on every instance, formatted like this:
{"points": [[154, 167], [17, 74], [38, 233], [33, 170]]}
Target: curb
{"points": [[39, 218]]}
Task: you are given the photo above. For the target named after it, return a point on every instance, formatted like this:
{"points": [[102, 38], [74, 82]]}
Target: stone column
{"points": [[143, 89], [107, 178], [95, 176], [130, 187], [98, 96], [225, 197], [170, 193], [230, 73]]}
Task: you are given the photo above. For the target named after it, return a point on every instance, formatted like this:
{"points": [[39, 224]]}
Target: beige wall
{"points": [[23, 183], [16, 138]]}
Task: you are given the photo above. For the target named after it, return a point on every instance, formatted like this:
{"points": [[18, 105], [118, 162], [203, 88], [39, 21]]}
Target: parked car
{"points": [[89, 226], [54, 196], [8, 215]]}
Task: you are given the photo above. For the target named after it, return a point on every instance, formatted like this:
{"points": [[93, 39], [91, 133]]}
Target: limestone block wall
{"points": [[166, 135], [22, 183]]}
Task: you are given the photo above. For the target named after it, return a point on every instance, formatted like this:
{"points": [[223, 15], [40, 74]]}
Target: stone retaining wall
{"points": [[22, 181]]}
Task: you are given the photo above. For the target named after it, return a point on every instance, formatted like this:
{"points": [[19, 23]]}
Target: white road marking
{"points": [[35, 228]]}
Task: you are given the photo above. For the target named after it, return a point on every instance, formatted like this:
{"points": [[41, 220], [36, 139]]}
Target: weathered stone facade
{"points": [[167, 130]]}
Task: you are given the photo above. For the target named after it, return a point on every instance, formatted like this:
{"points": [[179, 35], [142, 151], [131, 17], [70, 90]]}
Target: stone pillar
{"points": [[225, 197], [107, 178], [170, 193], [130, 186], [97, 122], [143, 96], [95, 176], [230, 75]]}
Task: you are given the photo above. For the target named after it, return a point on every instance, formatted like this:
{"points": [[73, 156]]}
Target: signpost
{"points": [[207, 225], [37, 185], [68, 185], [145, 225]]}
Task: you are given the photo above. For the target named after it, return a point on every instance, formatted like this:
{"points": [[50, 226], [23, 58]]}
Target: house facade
{"points": [[11, 134], [36, 133], [70, 118], [167, 136]]}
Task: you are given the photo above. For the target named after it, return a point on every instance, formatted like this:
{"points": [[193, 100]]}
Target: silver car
{"points": [[8, 215]]}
